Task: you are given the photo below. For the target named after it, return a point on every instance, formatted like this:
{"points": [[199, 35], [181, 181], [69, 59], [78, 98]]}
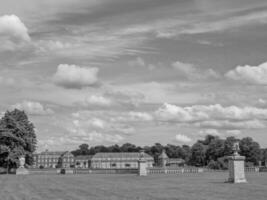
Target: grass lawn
{"points": [[206, 186]]}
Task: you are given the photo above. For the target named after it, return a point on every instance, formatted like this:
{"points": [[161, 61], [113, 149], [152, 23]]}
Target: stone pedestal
{"points": [[142, 165], [22, 171], [142, 168], [236, 167]]}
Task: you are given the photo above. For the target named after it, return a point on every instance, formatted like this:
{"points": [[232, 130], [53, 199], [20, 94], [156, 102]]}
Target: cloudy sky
{"points": [[139, 71]]}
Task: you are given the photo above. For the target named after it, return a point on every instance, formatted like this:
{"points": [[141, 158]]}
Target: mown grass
{"points": [[206, 186]]}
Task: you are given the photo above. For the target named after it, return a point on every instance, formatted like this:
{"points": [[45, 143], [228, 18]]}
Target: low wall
{"points": [[172, 170], [150, 170], [44, 171], [105, 171]]}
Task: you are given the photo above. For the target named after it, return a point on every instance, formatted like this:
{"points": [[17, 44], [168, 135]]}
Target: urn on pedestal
{"points": [[236, 166], [21, 170]]}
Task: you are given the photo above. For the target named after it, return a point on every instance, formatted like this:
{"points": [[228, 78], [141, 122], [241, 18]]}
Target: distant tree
{"points": [[208, 139], [215, 149], [83, 150], [264, 156], [250, 149], [198, 154], [17, 137], [186, 153], [128, 147], [114, 148]]}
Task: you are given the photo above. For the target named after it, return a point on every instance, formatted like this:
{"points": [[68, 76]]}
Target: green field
{"points": [[208, 186]]}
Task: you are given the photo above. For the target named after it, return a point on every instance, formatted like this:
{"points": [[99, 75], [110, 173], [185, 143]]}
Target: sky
{"points": [[139, 71]]}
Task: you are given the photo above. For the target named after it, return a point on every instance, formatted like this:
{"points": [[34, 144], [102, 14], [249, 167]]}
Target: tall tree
{"points": [[17, 137], [215, 149], [198, 154], [250, 149]]}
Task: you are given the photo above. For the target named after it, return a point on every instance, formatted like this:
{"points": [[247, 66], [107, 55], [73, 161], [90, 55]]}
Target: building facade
{"points": [[119, 160], [53, 159], [83, 162]]}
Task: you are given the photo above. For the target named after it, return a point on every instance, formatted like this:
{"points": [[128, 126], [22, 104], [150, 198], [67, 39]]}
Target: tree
{"points": [[83, 150], [17, 137], [198, 154], [128, 147], [215, 149], [250, 149]]}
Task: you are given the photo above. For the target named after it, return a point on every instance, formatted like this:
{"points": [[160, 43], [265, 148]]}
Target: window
{"points": [[113, 165], [127, 165]]}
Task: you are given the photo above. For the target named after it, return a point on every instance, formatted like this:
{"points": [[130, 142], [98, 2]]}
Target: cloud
{"points": [[133, 117], [207, 112], [107, 121], [183, 138], [249, 74], [13, 33], [213, 116], [33, 108], [96, 100], [139, 62], [111, 98], [192, 73], [12, 27], [75, 77]]}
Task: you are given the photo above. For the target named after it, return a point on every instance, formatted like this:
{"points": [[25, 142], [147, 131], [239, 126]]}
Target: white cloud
{"points": [[207, 112], [13, 33], [249, 74], [192, 73], [140, 116], [183, 138], [73, 76], [33, 108], [213, 116], [139, 62], [96, 100], [262, 101], [12, 27]]}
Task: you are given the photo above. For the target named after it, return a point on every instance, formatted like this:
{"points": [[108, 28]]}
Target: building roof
{"points": [[83, 157], [121, 155], [58, 153], [53, 152]]}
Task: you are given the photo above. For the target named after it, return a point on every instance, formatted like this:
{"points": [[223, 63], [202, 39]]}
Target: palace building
{"points": [[83, 162], [65, 159], [53, 159], [119, 160]]}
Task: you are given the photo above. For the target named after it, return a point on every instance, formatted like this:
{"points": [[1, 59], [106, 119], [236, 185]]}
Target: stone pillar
{"points": [[22, 170], [142, 165], [236, 167]]}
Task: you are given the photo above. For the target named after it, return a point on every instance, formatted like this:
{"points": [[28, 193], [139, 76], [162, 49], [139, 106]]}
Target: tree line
{"points": [[212, 151]]}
